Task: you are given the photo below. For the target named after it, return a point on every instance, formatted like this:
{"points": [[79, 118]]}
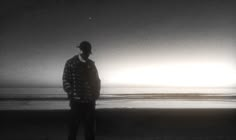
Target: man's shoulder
{"points": [[72, 59], [91, 61]]}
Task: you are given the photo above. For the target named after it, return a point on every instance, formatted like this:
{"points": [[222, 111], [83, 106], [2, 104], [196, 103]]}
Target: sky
{"points": [[135, 42]]}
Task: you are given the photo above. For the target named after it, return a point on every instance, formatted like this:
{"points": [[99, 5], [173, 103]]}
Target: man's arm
{"points": [[66, 78], [97, 83]]}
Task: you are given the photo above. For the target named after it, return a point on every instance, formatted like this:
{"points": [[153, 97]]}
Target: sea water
{"points": [[121, 97]]}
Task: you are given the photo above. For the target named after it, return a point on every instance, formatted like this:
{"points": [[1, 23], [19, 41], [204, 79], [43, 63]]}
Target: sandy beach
{"points": [[120, 124]]}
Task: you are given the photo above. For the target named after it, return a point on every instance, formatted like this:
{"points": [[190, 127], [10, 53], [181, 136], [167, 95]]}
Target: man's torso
{"points": [[81, 73]]}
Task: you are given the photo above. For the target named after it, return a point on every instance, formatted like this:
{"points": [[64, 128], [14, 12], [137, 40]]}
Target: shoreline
{"points": [[224, 103]]}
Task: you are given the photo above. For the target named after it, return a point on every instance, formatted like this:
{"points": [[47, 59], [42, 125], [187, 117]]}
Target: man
{"points": [[82, 85]]}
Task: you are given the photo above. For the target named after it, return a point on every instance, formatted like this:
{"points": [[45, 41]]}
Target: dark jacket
{"points": [[81, 80]]}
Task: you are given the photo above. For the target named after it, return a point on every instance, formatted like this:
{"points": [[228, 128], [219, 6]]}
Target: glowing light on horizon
{"points": [[178, 74]]}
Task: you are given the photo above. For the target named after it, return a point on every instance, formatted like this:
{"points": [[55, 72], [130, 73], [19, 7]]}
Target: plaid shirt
{"points": [[80, 80]]}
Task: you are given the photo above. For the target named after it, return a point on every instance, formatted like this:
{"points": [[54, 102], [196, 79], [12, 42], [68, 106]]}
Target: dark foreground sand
{"points": [[125, 124]]}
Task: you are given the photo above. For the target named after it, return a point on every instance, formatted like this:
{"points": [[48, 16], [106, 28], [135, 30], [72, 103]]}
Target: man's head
{"points": [[85, 49]]}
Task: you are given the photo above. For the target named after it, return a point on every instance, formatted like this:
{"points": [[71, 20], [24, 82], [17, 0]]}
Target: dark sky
{"points": [[38, 36]]}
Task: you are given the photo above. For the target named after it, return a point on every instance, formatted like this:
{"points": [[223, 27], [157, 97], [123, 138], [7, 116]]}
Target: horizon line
{"points": [[124, 86]]}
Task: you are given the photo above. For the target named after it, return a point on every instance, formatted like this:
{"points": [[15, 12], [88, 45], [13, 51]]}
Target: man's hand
{"points": [[70, 95]]}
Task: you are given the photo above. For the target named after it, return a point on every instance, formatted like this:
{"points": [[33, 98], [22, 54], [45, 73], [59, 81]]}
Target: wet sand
{"points": [[122, 124]]}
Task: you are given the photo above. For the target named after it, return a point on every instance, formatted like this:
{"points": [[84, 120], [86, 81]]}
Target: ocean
{"points": [[121, 97]]}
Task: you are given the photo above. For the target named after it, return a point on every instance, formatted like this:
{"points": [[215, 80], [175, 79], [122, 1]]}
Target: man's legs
{"points": [[90, 123], [74, 120]]}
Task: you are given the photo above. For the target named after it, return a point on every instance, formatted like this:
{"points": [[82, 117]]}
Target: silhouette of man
{"points": [[82, 85]]}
